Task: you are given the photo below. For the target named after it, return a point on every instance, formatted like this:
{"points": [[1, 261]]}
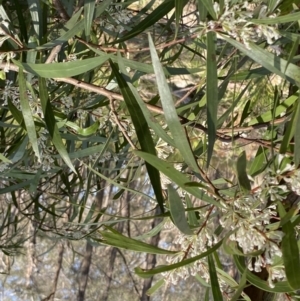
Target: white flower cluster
{"points": [[191, 246], [246, 221], [11, 92], [7, 56], [235, 20], [117, 20], [46, 158]]}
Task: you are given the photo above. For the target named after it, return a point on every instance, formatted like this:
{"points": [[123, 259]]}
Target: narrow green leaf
{"points": [[115, 183], [66, 69], [249, 74], [176, 176], [292, 53], [84, 132], [202, 281], [280, 287], [152, 122], [89, 10], [4, 159], [160, 269], [206, 298], [268, 60], [297, 136], [259, 163], [192, 217], [15, 113], [152, 232], [142, 131], [240, 288], [290, 251], [27, 115], [155, 287], [72, 27], [35, 12], [35, 181], [118, 240], [215, 287], [21, 19], [212, 93], [179, 4], [89, 151], [209, 5], [241, 172], [163, 9], [290, 131], [178, 211], [178, 133], [15, 187], [51, 124], [280, 109], [278, 20]]}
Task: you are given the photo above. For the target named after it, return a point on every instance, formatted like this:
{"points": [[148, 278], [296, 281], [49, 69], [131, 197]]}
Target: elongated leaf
{"points": [[144, 67], [84, 132], [292, 52], [72, 27], [115, 183], [242, 174], [278, 20], [178, 211], [67, 69], [163, 9], [143, 133], [210, 8], [152, 232], [212, 93], [290, 131], [179, 4], [249, 74], [176, 176], [118, 240], [275, 64], [152, 122], [297, 136], [281, 108], [206, 298], [215, 287], [35, 12], [155, 287], [259, 163], [4, 159], [280, 287], [51, 124], [147, 274], [240, 288], [290, 251], [178, 133], [27, 115], [89, 10], [89, 151], [192, 217]]}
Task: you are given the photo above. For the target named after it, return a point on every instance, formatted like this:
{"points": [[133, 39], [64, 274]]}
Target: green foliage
{"points": [[77, 121]]}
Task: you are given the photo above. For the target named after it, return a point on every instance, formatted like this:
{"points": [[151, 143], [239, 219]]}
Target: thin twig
{"points": [[53, 54], [186, 122], [117, 121], [184, 97], [113, 49]]}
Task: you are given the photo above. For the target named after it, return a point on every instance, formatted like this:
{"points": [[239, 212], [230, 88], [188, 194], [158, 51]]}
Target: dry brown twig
{"points": [[158, 110]]}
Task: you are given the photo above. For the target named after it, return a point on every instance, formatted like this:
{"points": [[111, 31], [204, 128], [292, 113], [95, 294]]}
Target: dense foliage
{"points": [[103, 98]]}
